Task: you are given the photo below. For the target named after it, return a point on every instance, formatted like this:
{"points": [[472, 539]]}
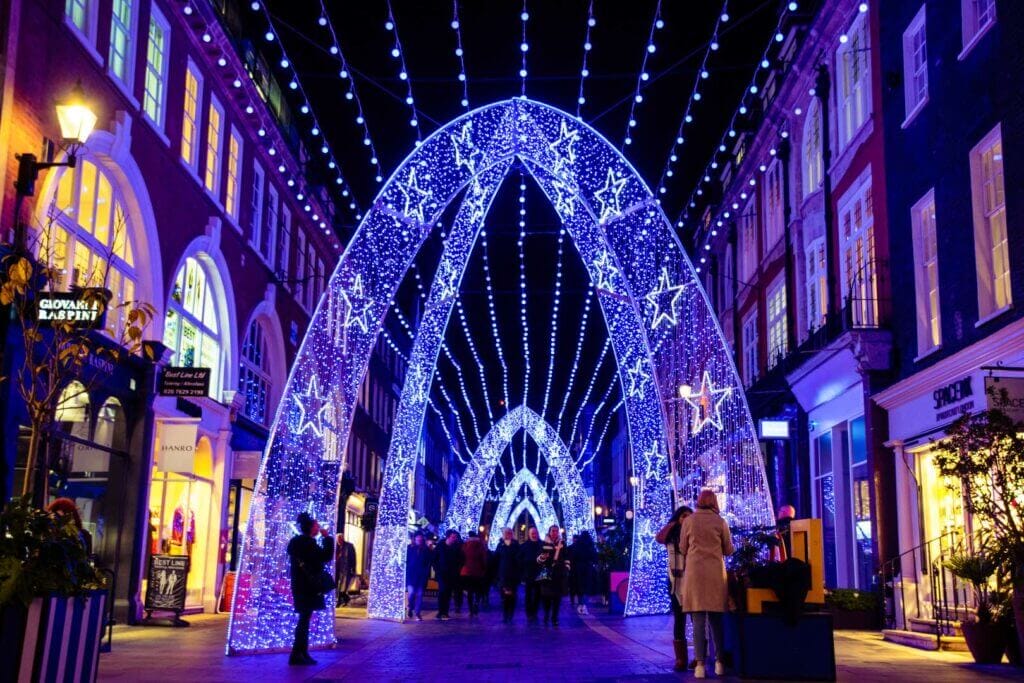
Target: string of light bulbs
{"points": [[554, 321], [593, 421], [608, 422], [590, 389], [494, 319], [524, 47], [351, 93], [459, 53], [271, 36], [579, 349], [403, 74], [584, 71], [656, 25], [521, 243], [703, 73]]}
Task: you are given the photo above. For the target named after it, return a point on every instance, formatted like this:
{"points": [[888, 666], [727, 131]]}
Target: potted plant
{"points": [[47, 585], [853, 609], [983, 631], [984, 456]]}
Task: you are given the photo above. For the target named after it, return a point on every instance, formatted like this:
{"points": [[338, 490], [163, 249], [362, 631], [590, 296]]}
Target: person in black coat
{"points": [[554, 574], [509, 571], [583, 555], [418, 559], [447, 562], [307, 561], [528, 552]]}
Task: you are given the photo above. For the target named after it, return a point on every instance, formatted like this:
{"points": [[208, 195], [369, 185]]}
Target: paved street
{"points": [[593, 648]]}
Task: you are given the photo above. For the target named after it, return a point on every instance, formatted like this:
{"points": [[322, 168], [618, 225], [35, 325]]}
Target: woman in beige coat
{"points": [[704, 541]]}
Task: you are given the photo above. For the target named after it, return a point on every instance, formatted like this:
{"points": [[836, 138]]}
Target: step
{"points": [[949, 628], [924, 641]]}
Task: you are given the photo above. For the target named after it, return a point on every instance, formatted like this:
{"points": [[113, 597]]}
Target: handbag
{"points": [[321, 582], [544, 574]]}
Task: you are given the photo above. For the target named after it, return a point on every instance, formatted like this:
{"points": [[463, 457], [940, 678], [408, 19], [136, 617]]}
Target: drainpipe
{"points": [[784, 150], [733, 241], [822, 89]]}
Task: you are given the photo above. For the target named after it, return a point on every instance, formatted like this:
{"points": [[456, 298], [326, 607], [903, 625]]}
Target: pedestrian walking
{"points": [[554, 574], [528, 552], [473, 573], [583, 558], [669, 536], [509, 566], [417, 572], [704, 541], [310, 580], [344, 567], [447, 562]]}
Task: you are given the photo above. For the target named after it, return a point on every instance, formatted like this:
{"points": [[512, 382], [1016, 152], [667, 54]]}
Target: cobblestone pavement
{"points": [[592, 648]]}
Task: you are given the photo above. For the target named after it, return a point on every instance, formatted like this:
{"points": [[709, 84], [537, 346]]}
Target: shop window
{"points": [[812, 159], [192, 330], [860, 482], [88, 240], [254, 377], [825, 504], [857, 253], [991, 248]]}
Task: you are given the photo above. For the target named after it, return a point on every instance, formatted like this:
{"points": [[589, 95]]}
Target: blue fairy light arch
{"points": [[663, 331], [543, 513]]}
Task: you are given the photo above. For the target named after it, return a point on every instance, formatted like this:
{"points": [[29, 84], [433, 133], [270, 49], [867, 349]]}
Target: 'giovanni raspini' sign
{"points": [[184, 382], [85, 308]]}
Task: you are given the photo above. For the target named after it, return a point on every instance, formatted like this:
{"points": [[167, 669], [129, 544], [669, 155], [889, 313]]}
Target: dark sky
{"points": [[491, 33]]}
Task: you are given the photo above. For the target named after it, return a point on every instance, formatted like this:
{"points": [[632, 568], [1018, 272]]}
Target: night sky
{"points": [[491, 33]]}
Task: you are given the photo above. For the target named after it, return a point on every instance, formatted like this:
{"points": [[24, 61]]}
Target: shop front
{"points": [[933, 523]]}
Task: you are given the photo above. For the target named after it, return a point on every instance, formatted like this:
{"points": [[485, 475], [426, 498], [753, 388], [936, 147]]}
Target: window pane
{"points": [[87, 196]]}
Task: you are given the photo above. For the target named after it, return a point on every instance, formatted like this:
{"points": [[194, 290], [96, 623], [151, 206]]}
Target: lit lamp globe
{"points": [[598, 510], [76, 120]]}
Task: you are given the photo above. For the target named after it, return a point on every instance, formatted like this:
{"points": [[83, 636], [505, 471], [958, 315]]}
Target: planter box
{"points": [[54, 639], [765, 646], [854, 619]]}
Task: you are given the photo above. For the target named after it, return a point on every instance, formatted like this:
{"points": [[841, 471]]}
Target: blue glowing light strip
{"points": [[590, 389], [554, 322], [351, 94], [576, 360], [585, 441], [656, 25], [494, 320]]}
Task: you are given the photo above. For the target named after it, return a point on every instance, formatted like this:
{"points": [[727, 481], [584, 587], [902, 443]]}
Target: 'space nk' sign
{"points": [[83, 308]]}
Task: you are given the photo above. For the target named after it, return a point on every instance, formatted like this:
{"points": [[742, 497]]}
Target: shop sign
{"points": [[166, 586], [89, 459], [84, 309], [246, 464], [774, 429], [184, 382], [177, 447], [1006, 394], [953, 399]]}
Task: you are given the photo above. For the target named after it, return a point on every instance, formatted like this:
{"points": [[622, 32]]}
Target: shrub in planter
{"points": [[46, 577], [853, 609], [985, 632]]}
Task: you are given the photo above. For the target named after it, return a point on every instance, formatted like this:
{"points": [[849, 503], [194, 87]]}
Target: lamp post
{"points": [[77, 122]]}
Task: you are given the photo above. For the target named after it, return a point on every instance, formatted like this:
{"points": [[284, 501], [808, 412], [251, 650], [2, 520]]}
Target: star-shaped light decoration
{"points": [[664, 293], [637, 379], [447, 279], [313, 406], [416, 198], [474, 203], [466, 152], [645, 542], [603, 270], [563, 150], [565, 195], [357, 305], [418, 384], [608, 196], [653, 458], [706, 404]]}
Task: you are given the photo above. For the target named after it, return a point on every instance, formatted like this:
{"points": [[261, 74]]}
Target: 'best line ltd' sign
{"points": [[83, 308]]}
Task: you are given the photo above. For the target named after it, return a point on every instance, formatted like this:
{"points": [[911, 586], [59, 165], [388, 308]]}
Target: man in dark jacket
{"points": [[528, 552], [417, 572], [447, 562], [473, 573], [509, 572], [307, 560], [344, 567]]}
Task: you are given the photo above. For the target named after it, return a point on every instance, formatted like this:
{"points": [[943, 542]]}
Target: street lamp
{"points": [[598, 510], [77, 121]]}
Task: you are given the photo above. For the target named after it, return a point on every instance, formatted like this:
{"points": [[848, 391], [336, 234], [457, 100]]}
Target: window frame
{"points": [[928, 302], [776, 323], [192, 70], [126, 80], [816, 283], [749, 240], [257, 194], [178, 308], [214, 152], [913, 100], [258, 370], [862, 240], [749, 334], [774, 214], [971, 30], [813, 170], [988, 304], [233, 177], [284, 247], [86, 34], [271, 215], [156, 17], [845, 97]]}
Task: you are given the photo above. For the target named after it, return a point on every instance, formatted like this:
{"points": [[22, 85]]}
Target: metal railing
{"points": [[948, 598]]}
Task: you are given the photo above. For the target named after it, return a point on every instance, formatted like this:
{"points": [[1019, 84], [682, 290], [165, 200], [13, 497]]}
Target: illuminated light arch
{"points": [[658, 319], [467, 503], [543, 513]]}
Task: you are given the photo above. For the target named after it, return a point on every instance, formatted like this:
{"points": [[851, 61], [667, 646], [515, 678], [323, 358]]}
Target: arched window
{"points": [[73, 410], [254, 379], [88, 239], [812, 162], [192, 330]]}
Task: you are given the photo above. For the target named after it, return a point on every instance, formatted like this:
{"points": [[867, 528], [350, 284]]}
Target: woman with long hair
{"points": [[554, 574], [704, 541], [308, 560], [669, 536]]}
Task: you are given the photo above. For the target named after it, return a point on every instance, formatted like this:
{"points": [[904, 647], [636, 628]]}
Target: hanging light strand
{"points": [[554, 322], [641, 80], [403, 73], [524, 47], [576, 361], [351, 93], [459, 53], [584, 70], [703, 73], [590, 390]]}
